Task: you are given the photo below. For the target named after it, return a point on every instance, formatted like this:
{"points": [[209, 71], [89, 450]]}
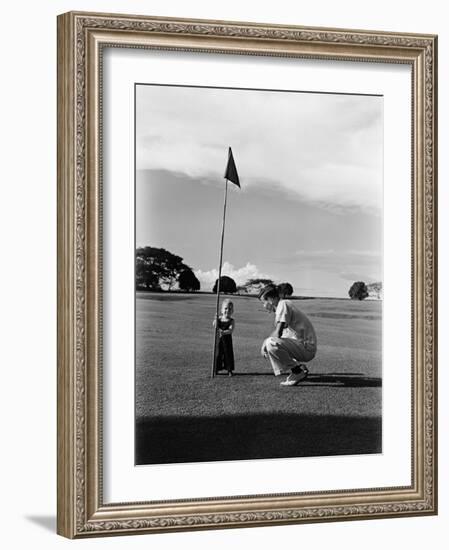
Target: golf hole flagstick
{"points": [[230, 175]]}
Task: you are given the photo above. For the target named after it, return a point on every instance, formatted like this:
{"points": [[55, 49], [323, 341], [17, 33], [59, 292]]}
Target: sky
{"points": [[309, 210]]}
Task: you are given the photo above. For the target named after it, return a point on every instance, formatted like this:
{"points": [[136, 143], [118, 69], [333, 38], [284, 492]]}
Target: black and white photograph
{"points": [[232, 334], [259, 274]]}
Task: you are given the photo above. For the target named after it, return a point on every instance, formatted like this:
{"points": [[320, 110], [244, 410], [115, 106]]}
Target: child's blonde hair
{"points": [[227, 302]]}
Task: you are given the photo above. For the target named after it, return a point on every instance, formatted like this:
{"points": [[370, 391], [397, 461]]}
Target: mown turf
{"points": [[182, 415]]}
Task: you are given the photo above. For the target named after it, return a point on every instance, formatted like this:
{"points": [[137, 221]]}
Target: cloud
{"points": [[332, 257], [240, 275], [323, 148], [330, 252], [358, 276], [355, 265]]}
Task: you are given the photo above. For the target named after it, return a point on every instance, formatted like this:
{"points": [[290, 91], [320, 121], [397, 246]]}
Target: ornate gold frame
{"points": [[81, 37]]}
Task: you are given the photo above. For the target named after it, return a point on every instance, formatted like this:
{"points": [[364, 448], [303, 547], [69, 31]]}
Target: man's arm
{"points": [[277, 333]]}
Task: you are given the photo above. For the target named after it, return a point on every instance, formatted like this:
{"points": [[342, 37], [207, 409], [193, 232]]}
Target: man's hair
{"points": [[286, 289], [269, 291]]}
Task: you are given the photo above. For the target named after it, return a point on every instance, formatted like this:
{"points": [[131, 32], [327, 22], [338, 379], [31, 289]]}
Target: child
{"points": [[224, 359]]}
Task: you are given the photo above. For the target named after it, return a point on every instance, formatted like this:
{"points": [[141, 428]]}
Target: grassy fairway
{"points": [[182, 415]]}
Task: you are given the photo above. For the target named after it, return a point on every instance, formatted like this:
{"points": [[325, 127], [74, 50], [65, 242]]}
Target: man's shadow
{"points": [[349, 380]]}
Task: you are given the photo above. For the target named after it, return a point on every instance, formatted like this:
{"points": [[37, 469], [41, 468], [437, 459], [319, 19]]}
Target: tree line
{"points": [[360, 290], [158, 269]]}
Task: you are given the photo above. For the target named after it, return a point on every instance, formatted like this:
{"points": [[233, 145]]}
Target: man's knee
{"points": [[272, 344]]}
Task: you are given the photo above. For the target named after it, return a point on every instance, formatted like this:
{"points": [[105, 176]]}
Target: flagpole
{"points": [[219, 281]]}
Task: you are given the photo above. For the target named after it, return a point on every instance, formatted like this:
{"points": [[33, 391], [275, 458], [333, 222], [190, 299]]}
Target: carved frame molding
{"points": [[81, 38]]}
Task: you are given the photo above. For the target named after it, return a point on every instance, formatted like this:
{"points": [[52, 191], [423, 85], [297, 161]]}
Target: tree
{"points": [[156, 267], [227, 285], [146, 278], [358, 291], [188, 281], [375, 290]]}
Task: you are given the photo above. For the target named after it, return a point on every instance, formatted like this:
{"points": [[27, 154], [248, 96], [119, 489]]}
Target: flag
{"points": [[231, 170]]}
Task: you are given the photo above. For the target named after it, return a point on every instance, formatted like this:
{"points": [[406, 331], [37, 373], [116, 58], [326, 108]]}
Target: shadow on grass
{"points": [[255, 373], [356, 380], [164, 440], [346, 380]]}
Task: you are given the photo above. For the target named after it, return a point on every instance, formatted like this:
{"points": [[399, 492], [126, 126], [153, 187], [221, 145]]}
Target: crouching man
{"points": [[293, 341]]}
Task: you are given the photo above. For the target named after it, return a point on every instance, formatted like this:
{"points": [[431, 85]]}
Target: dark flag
{"points": [[231, 170]]}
